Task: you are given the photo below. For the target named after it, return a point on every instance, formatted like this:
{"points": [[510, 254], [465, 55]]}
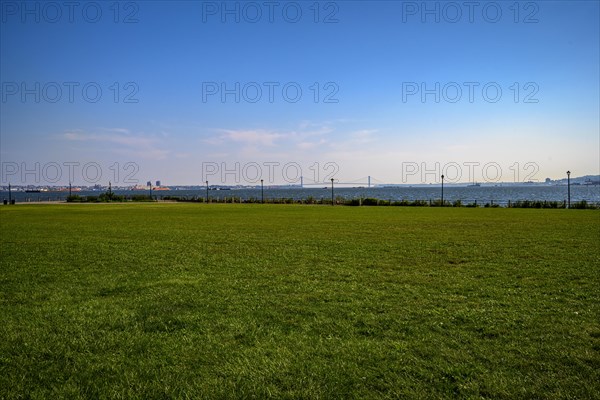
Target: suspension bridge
{"points": [[365, 181]]}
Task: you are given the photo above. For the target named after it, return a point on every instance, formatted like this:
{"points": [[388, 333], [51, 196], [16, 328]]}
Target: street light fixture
{"points": [[332, 202], [262, 192], [569, 189], [206, 192], [442, 190]]}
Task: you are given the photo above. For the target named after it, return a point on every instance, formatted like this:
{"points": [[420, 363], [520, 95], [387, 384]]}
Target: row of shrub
{"points": [[378, 202], [110, 196], [107, 197], [551, 204]]}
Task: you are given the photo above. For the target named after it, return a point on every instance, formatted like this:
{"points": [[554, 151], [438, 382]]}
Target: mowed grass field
{"points": [[268, 301]]}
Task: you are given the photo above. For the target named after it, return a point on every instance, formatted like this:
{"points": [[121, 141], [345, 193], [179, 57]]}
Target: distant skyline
{"points": [[235, 92]]}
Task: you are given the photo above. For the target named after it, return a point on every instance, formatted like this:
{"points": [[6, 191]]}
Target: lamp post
{"points": [[262, 192], [9, 195], [206, 192], [69, 189], [442, 190], [568, 189], [150, 189], [332, 203]]}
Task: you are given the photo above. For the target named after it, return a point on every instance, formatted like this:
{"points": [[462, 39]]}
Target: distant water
{"points": [[482, 194]]}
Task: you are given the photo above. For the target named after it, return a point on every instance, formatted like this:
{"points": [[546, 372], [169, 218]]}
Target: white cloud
{"points": [[363, 136], [301, 138], [119, 130], [121, 141], [253, 137], [311, 145]]}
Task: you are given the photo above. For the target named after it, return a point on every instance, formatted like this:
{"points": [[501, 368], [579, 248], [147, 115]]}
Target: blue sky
{"points": [[161, 68]]}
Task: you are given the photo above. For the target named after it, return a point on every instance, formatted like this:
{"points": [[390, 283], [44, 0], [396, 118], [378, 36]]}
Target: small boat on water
{"points": [[33, 191], [474, 184]]}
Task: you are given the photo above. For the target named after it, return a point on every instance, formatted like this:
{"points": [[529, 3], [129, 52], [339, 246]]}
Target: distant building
{"points": [[157, 183], [148, 183], [548, 180]]}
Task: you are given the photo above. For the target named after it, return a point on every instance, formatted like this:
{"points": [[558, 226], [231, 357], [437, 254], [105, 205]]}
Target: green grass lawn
{"points": [[259, 301]]}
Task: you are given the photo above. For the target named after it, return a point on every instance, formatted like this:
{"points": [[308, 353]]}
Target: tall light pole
{"points": [[69, 189], [442, 190], [150, 182], [9, 195], [262, 192], [332, 203], [568, 189], [206, 192]]}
